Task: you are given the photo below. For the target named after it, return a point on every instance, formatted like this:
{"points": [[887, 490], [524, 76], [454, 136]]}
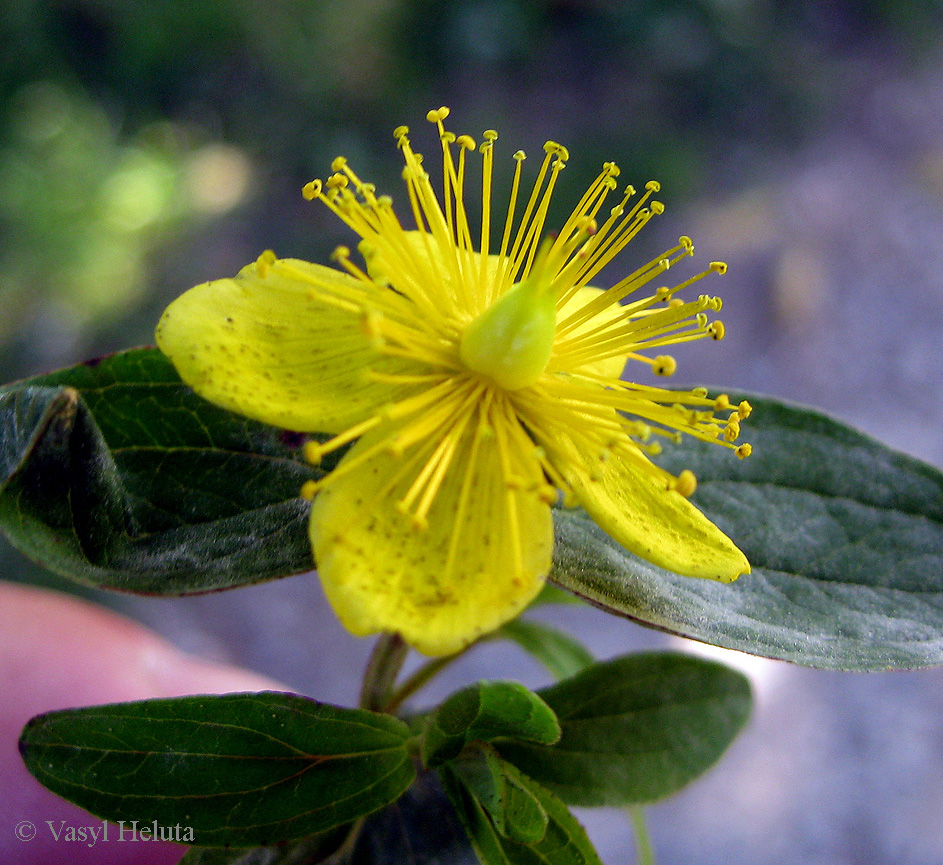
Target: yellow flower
{"points": [[477, 385]]}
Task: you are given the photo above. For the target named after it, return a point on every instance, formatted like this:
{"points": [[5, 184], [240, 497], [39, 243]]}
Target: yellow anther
{"points": [[732, 431], [465, 141], [718, 266], [663, 292], [675, 302], [611, 183], [447, 137], [490, 135], [744, 451], [701, 319], [684, 484], [664, 365], [657, 208], [340, 253], [337, 181], [547, 494], [722, 402], [338, 163], [264, 262], [311, 190], [744, 410], [716, 330], [687, 243], [612, 169], [400, 132], [629, 191], [308, 490], [653, 186], [520, 156], [438, 115], [311, 451]]}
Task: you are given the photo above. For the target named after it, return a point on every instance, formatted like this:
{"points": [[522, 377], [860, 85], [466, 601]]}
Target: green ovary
{"points": [[511, 341]]}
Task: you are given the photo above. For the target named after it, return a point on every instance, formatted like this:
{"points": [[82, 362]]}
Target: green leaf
{"points": [[560, 653], [497, 785], [115, 474], [484, 712], [564, 841], [636, 729], [845, 537], [239, 769]]}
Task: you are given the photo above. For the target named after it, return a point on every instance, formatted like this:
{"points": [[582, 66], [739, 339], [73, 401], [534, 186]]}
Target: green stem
{"points": [[425, 674], [644, 854], [384, 665]]}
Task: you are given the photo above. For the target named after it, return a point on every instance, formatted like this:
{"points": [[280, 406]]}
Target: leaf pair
{"points": [[252, 770], [115, 474]]}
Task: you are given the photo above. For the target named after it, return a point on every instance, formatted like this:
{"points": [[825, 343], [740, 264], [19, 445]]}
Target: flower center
{"points": [[512, 340]]}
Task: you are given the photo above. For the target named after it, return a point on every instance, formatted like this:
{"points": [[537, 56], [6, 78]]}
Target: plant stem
{"points": [[644, 854], [384, 665], [419, 679]]}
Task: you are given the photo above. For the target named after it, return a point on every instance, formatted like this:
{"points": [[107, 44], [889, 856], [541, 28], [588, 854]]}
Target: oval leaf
{"points": [[560, 653], [484, 712], [238, 769], [115, 474], [563, 841], [499, 789], [845, 537], [636, 729]]}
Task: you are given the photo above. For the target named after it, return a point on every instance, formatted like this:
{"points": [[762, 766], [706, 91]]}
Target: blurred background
{"points": [[149, 146]]}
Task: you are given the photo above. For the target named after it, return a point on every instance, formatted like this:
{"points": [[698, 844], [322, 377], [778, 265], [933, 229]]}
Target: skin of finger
{"points": [[58, 652]]}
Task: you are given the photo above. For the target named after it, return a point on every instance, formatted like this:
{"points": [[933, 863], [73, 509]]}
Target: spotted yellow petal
{"points": [[477, 563], [267, 346], [633, 506]]}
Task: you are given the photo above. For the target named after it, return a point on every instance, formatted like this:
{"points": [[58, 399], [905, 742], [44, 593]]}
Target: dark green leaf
{"points": [[117, 475], [636, 729], [564, 841], [497, 785], [239, 769], [560, 653], [845, 537], [484, 712]]}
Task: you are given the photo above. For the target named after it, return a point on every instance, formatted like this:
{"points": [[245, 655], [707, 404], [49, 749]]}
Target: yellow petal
{"points": [[659, 525], [481, 559], [269, 350]]}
